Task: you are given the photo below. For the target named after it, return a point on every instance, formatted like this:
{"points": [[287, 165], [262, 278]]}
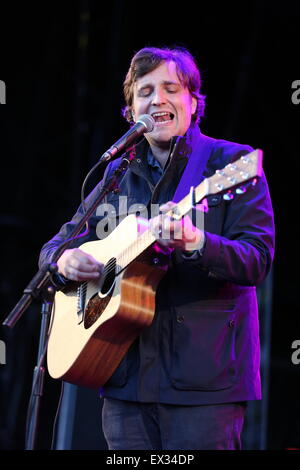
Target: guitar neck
{"points": [[242, 170], [147, 238], [134, 250]]}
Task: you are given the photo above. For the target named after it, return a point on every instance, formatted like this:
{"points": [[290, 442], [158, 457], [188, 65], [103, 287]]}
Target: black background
{"points": [[63, 64]]}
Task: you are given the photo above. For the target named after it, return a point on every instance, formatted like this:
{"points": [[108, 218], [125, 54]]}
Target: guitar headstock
{"points": [[246, 168], [242, 170]]}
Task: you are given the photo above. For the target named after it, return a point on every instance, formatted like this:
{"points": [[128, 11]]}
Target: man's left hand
{"points": [[173, 233]]}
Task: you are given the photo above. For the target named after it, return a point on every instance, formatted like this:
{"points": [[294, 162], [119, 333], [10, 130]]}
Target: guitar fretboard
{"points": [[245, 168], [133, 250]]}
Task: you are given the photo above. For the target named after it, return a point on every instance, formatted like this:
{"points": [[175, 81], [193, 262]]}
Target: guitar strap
{"points": [[202, 147]]}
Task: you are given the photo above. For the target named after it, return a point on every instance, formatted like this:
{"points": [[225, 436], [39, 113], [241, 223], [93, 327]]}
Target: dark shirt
{"points": [[155, 167]]}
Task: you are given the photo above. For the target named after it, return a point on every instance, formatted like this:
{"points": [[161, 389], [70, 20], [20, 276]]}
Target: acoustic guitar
{"points": [[94, 323]]}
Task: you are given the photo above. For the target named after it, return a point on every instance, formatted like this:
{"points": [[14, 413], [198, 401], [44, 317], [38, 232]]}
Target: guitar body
{"points": [[87, 344]]}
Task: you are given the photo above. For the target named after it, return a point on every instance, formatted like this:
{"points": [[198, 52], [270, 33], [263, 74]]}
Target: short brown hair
{"points": [[148, 59]]}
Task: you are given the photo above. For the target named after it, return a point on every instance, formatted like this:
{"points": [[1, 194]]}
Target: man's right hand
{"points": [[77, 265]]}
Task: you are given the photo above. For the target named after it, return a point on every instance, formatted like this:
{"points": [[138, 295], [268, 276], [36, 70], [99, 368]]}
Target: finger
{"points": [[76, 275], [84, 262], [166, 243], [80, 266], [156, 226], [167, 206], [171, 229], [84, 258]]}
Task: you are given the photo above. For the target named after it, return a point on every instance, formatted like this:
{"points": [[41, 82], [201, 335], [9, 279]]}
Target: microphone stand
{"points": [[43, 287]]}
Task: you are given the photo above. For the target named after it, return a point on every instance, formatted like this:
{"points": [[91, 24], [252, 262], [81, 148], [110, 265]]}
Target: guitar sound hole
{"points": [[97, 304], [108, 276]]}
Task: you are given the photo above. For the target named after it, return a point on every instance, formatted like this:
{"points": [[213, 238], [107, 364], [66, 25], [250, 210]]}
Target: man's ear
{"points": [[194, 104]]}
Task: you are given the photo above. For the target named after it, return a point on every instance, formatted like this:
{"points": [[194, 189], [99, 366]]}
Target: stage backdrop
{"points": [[62, 65]]}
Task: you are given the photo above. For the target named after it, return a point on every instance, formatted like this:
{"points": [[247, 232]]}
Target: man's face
{"points": [[161, 94]]}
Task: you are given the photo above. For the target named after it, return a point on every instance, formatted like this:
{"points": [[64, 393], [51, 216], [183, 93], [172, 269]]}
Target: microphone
{"points": [[145, 123]]}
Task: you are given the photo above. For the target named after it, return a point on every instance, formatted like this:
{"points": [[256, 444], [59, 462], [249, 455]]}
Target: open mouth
{"points": [[163, 117]]}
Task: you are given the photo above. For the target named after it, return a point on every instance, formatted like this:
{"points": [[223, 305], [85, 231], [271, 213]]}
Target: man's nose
{"points": [[159, 97]]}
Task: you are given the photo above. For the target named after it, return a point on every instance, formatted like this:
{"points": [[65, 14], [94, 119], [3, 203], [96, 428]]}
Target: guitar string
{"points": [[129, 253], [147, 238]]}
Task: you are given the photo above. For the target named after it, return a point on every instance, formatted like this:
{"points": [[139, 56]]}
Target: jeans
{"points": [[154, 426]]}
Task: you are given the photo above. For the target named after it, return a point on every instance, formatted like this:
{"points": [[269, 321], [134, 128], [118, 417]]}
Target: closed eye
{"points": [[145, 91], [172, 89]]}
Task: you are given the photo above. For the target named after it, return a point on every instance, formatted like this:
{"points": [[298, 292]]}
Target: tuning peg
{"points": [[228, 196], [231, 167], [240, 190], [244, 175]]}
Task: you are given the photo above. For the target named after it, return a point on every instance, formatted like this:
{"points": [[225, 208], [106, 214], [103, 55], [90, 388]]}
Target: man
{"points": [[185, 381]]}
